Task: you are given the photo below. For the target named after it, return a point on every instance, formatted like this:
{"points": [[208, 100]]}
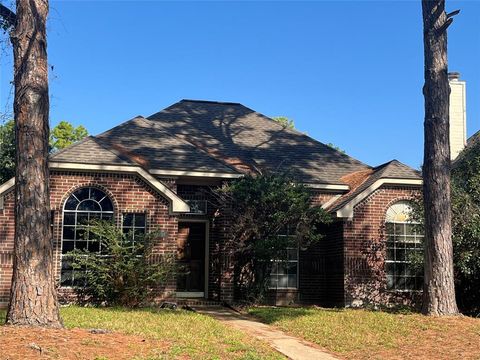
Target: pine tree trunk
{"points": [[33, 298], [439, 292]]}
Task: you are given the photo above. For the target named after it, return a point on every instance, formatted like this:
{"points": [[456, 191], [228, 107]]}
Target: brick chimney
{"points": [[458, 114]]}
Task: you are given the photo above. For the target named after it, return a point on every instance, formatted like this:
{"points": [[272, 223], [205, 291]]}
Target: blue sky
{"points": [[347, 72]]}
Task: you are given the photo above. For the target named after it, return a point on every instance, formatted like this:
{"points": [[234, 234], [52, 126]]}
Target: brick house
{"points": [[157, 172]]}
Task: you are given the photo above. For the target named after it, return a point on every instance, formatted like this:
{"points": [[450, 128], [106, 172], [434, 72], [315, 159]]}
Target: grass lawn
{"points": [[363, 334], [182, 334]]}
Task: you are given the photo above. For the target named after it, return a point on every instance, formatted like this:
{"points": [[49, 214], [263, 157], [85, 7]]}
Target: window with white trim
{"points": [[83, 206], [134, 225], [404, 243], [284, 274]]}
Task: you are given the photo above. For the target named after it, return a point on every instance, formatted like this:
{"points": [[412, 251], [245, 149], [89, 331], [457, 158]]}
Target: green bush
{"points": [[124, 272], [273, 212]]}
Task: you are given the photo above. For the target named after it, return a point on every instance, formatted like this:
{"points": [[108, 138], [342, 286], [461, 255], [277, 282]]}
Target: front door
{"points": [[191, 243]]}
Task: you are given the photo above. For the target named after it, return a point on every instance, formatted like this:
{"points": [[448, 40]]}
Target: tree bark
{"points": [[33, 298], [439, 292]]}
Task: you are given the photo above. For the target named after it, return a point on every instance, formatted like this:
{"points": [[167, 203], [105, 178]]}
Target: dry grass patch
{"points": [[363, 334], [146, 334]]}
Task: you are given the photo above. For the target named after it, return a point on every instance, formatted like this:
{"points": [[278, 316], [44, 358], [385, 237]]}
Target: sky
{"points": [[347, 72]]}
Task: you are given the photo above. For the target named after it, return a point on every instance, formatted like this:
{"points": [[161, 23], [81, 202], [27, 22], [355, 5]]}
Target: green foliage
{"points": [[333, 146], [264, 208], [465, 187], [65, 134], [466, 228], [125, 272], [7, 151], [61, 136], [285, 121]]}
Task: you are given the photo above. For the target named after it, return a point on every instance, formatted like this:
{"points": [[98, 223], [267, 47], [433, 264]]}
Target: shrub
{"points": [[125, 272], [272, 212]]}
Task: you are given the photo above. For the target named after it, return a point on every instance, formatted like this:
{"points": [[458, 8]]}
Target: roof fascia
{"points": [[346, 211]]}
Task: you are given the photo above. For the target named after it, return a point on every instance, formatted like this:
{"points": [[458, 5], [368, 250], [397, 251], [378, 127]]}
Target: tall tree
{"points": [[439, 291], [65, 134], [33, 297]]}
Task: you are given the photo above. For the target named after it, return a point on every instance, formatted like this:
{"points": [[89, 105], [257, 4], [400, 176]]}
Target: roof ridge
{"points": [[211, 102]]}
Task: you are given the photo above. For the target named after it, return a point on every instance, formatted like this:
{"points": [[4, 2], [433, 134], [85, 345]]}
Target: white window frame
{"points": [[277, 275], [399, 214]]}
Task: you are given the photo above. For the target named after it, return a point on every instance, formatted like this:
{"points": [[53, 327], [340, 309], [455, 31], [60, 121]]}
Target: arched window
{"points": [[404, 245], [83, 206]]}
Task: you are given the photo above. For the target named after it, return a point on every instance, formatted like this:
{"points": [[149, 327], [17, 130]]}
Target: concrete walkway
{"points": [[292, 347]]}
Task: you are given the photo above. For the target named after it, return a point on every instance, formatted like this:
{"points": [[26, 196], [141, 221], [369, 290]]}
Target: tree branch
{"points": [[7, 16], [453, 13]]}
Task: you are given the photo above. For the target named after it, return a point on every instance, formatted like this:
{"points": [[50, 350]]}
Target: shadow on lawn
{"points": [[270, 315]]}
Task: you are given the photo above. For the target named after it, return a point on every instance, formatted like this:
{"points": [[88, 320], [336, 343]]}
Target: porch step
{"points": [[196, 302]]}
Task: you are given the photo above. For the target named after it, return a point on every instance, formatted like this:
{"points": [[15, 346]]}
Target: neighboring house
{"points": [[157, 172]]}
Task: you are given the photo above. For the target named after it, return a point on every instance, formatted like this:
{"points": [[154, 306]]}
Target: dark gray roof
{"points": [[148, 144], [236, 131], [89, 151], [140, 142], [391, 170], [194, 135]]}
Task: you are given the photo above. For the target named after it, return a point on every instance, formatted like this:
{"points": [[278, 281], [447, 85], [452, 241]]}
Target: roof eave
{"points": [[346, 210]]}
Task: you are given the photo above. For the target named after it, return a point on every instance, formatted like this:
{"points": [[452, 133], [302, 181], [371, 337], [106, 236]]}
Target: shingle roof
{"points": [[140, 142], [194, 135], [89, 151], [237, 132], [391, 170]]}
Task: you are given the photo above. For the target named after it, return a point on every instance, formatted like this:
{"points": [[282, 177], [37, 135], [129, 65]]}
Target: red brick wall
{"points": [[364, 239], [128, 194], [6, 247]]}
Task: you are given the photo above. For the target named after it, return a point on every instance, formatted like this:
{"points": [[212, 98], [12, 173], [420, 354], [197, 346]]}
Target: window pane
{"points": [[283, 281], [68, 232], [390, 268], [106, 204], [71, 203], [81, 245], [292, 268], [81, 234], [89, 205], [139, 220], [281, 269], [67, 246], [390, 282], [94, 246], [69, 219], [96, 194], [82, 218], [400, 255], [128, 220], [292, 281], [292, 254], [390, 254], [82, 193]]}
